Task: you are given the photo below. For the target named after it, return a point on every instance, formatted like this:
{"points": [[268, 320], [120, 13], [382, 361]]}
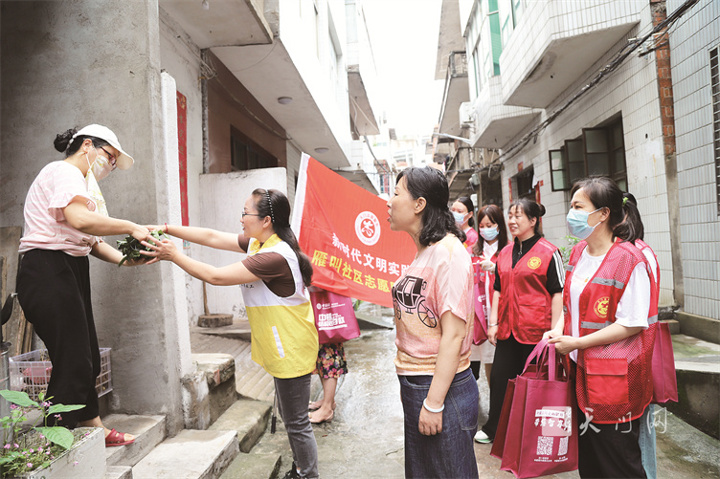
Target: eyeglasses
{"points": [[251, 214], [113, 160]]}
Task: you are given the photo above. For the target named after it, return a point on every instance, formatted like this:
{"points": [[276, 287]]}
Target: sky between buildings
{"points": [[404, 36]]}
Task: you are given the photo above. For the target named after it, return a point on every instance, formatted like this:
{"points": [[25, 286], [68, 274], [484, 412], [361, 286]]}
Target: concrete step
{"points": [[192, 454], [251, 380], [238, 329], [697, 364], [249, 418], [219, 370], [119, 472], [254, 466], [149, 431]]}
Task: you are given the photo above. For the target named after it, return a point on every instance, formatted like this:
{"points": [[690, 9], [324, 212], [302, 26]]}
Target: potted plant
{"points": [[29, 447]]}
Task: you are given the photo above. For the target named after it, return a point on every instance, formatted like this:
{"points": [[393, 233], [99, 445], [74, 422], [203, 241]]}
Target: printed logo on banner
{"points": [[367, 228]]}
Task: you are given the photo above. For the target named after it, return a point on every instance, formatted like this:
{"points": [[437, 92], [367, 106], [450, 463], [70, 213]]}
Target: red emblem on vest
{"points": [[601, 306], [534, 262]]}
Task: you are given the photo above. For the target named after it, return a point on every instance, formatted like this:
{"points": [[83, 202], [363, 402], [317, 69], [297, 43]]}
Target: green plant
{"points": [[24, 451], [130, 247], [565, 250]]}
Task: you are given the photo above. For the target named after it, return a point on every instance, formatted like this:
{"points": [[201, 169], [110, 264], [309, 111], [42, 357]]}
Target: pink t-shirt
{"points": [[440, 279], [45, 226]]}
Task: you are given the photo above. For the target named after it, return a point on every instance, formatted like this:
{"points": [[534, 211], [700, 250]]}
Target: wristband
{"points": [[166, 229], [493, 325], [440, 409]]}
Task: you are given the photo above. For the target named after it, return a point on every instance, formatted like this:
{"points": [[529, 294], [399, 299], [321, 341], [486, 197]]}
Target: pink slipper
{"points": [[115, 438]]}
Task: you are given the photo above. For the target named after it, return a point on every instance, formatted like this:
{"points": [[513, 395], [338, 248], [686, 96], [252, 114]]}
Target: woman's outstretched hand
{"points": [[163, 250]]}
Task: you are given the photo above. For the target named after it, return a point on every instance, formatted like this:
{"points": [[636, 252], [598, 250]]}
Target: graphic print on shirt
{"points": [[408, 294]]}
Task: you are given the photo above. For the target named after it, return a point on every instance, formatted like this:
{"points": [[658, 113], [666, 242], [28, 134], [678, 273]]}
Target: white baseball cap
{"points": [[124, 161]]}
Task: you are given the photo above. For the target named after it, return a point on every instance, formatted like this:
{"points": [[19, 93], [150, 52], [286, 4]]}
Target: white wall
{"points": [[309, 46], [221, 207], [631, 90]]}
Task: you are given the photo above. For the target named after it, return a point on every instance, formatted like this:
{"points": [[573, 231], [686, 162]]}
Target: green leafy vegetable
{"points": [[130, 247]]}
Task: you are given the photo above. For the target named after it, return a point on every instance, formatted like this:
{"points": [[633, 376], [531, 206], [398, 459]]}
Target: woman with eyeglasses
{"points": [[275, 276], [65, 217]]}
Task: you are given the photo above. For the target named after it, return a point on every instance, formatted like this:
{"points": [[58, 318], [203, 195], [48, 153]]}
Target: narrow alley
{"points": [[365, 438]]}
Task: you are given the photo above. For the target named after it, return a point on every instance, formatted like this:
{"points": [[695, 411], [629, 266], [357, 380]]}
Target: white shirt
{"points": [[633, 307]]}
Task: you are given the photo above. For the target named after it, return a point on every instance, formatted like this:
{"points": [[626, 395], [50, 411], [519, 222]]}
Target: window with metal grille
{"points": [[715, 87]]}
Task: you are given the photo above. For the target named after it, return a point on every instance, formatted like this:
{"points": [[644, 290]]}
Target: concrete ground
{"points": [[365, 439]]}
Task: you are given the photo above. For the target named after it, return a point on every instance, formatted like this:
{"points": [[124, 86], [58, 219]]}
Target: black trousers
{"points": [[609, 450], [54, 291], [508, 363]]}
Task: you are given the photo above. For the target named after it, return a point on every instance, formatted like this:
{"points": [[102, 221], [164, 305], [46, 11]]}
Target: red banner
{"points": [[344, 230]]}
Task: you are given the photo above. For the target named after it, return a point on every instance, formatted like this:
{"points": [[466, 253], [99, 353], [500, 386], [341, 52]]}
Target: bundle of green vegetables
{"points": [[131, 247]]}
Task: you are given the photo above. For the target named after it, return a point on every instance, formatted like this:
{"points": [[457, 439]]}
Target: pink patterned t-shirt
{"points": [[440, 279], [55, 187]]}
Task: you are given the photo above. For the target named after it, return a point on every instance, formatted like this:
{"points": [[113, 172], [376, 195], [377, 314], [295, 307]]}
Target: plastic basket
{"points": [[30, 372]]}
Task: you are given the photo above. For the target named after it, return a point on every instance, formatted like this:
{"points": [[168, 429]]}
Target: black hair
{"points": [[274, 203], [495, 214], [531, 209], [632, 226], [603, 192], [470, 207], [437, 220], [65, 143]]}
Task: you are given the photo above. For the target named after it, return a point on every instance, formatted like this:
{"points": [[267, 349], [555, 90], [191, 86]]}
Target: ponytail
{"points": [[631, 228], [275, 204]]}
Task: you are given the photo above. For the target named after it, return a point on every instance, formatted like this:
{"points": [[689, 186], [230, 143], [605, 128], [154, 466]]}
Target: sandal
{"points": [[320, 421], [115, 438]]}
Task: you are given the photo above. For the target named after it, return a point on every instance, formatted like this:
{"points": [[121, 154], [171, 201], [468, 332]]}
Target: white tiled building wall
{"points": [[691, 40], [631, 91]]}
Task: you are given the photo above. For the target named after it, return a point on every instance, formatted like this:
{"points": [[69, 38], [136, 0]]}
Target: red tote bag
{"points": [[663, 367], [334, 317], [480, 325], [540, 436]]}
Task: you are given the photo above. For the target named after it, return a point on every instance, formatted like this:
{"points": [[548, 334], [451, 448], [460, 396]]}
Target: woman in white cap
{"points": [[65, 216]]}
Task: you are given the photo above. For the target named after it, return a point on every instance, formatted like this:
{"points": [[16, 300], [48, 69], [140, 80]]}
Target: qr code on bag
{"points": [[544, 446], [563, 446]]}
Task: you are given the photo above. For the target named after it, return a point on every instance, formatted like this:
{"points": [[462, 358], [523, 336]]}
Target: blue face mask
{"points": [[459, 218], [489, 234], [577, 221]]}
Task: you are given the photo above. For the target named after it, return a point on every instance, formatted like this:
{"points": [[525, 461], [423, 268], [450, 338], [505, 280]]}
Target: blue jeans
{"points": [[647, 442], [293, 396], [451, 453]]}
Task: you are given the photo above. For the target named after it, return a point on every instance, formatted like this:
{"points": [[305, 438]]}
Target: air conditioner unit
{"points": [[467, 115]]}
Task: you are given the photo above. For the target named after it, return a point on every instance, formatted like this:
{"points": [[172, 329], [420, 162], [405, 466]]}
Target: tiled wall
{"points": [[631, 91], [692, 37], [555, 19]]}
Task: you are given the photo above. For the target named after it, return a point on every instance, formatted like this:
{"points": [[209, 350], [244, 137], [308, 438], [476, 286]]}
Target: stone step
{"points": [[149, 431], [254, 466], [249, 418], [211, 388], [192, 454], [119, 472], [697, 364]]}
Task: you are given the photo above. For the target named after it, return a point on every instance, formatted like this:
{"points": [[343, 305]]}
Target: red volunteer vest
{"points": [[525, 304], [614, 381], [654, 281]]}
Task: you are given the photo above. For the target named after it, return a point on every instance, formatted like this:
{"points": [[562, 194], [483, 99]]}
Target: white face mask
{"points": [[101, 167]]}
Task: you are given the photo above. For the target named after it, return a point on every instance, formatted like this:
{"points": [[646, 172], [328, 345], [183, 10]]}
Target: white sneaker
{"points": [[482, 438]]}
